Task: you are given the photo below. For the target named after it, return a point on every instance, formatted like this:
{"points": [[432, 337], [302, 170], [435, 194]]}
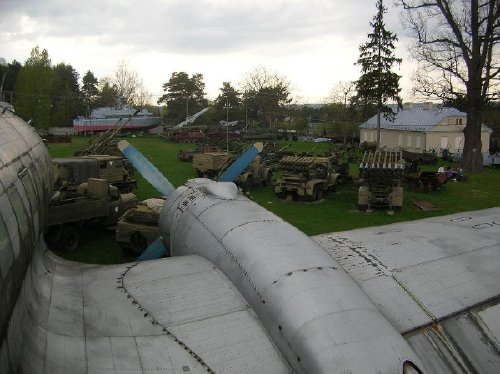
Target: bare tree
{"points": [[458, 41], [129, 85], [342, 92], [142, 96], [264, 93]]}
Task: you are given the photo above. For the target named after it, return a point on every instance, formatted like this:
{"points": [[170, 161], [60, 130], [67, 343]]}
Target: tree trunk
{"points": [[378, 126], [472, 160]]}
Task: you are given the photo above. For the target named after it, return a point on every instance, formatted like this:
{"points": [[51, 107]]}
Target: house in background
{"points": [[419, 127]]}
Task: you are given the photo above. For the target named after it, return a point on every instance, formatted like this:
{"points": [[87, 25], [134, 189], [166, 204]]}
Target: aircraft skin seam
{"points": [[457, 356], [245, 274], [319, 268], [152, 319], [84, 324], [247, 223], [363, 252], [231, 255]]}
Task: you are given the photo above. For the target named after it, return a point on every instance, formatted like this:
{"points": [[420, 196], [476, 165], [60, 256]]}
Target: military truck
{"points": [[305, 177], [212, 164], [75, 170], [380, 176], [92, 202], [138, 227]]}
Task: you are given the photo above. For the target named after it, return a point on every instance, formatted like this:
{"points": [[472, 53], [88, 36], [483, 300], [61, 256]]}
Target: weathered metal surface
{"points": [[264, 298], [318, 317], [157, 315], [24, 192], [426, 272]]}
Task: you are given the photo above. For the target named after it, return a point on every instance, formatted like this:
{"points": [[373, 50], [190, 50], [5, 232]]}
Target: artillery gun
{"points": [[380, 175], [306, 177]]}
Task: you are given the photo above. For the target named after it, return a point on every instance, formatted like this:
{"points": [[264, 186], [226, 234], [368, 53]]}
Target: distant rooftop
{"points": [[414, 117]]}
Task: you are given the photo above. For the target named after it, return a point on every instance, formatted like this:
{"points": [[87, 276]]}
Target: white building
{"points": [[422, 127]]}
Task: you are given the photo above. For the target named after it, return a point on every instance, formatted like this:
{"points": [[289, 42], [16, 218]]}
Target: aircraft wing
{"points": [[172, 315], [436, 280]]}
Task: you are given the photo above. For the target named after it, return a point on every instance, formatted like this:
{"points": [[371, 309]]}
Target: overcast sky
{"points": [[314, 43]]}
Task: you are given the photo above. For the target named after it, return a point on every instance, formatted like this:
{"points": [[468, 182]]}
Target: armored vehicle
{"points": [[305, 177], [138, 227], [75, 170], [93, 202], [380, 175]]}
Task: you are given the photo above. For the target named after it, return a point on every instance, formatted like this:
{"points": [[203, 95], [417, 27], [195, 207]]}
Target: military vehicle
{"points": [[71, 171], [306, 177], [93, 202], [425, 181], [380, 175], [138, 227], [212, 164], [258, 171], [420, 157]]}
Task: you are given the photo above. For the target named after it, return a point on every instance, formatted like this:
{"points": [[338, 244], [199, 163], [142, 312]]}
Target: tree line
{"points": [[52, 95], [458, 63]]}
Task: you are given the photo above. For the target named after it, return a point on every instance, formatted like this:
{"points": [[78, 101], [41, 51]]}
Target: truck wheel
{"points": [[69, 239], [268, 180], [247, 186], [138, 243], [318, 193]]}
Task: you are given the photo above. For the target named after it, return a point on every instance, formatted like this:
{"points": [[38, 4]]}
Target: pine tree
{"points": [[378, 84], [33, 98]]}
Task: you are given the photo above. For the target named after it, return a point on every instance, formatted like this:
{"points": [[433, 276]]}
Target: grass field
{"points": [[336, 212]]}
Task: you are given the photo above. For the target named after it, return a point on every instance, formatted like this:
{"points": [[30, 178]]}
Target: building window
{"points": [[400, 139], [459, 121], [408, 140], [458, 143], [418, 142]]}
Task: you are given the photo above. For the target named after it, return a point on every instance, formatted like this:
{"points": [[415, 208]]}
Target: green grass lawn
{"points": [[336, 212]]}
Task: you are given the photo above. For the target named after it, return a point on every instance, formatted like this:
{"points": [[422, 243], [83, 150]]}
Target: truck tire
{"points": [[318, 193], [268, 180], [247, 185], [69, 240], [138, 243]]}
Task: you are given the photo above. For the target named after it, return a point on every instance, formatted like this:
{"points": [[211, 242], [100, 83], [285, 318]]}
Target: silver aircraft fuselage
{"points": [[317, 315]]}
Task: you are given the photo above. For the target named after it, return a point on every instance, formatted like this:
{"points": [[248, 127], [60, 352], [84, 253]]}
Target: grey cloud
{"points": [[191, 26]]}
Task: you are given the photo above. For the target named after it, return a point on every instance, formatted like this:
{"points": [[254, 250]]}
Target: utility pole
{"points": [[227, 124]]}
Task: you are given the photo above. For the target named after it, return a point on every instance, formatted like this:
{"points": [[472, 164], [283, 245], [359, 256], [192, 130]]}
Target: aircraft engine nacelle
{"points": [[317, 315]]}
